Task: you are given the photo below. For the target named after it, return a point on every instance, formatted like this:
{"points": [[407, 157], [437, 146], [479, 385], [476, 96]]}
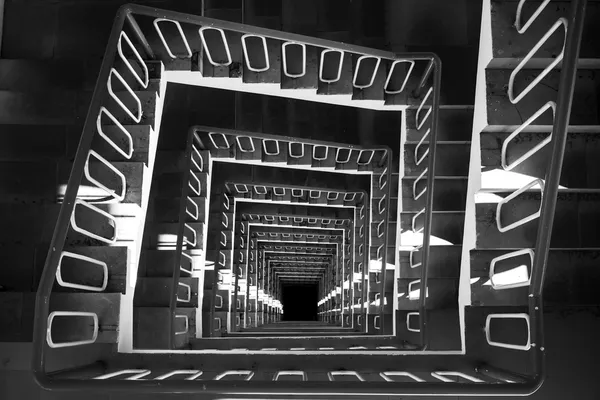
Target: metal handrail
{"points": [[431, 117], [185, 189], [283, 141], [566, 89], [101, 91], [387, 194]]}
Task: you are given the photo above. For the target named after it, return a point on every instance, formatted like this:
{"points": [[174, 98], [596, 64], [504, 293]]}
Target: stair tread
{"points": [[441, 142], [571, 278], [440, 177], [507, 41], [534, 191], [552, 249], [435, 212], [501, 111]]}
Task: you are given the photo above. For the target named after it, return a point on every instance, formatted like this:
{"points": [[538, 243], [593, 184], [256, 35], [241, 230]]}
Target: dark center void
{"points": [[300, 302]]}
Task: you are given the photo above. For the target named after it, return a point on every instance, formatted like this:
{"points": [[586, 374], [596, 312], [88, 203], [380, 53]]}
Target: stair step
{"points": [[341, 86], [454, 123], [17, 314], [288, 334], [171, 184], [105, 305], [444, 262], [156, 292], [571, 278], [171, 161], [452, 158], [443, 293], [312, 343], [219, 327], [449, 193], [144, 140], [88, 272], [222, 301], [310, 72], [135, 173], [167, 209], [445, 225], [375, 281], [574, 224], [149, 100], [220, 240], [216, 256], [127, 231], [508, 330], [366, 73], [160, 263], [33, 224], [502, 114], [443, 329], [218, 52], [580, 164], [508, 45], [151, 327], [164, 234], [256, 61], [421, 366]]}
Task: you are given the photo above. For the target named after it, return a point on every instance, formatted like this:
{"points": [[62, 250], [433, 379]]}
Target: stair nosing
{"points": [[445, 142]]}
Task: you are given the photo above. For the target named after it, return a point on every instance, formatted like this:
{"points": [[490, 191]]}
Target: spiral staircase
{"points": [[169, 236]]}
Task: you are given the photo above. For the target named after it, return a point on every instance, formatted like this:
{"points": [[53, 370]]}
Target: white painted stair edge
{"points": [[475, 176]]}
